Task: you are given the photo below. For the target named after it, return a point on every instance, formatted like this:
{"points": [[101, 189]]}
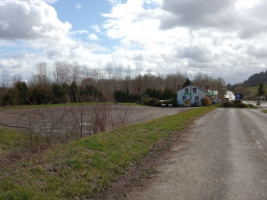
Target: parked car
{"points": [[216, 101]]}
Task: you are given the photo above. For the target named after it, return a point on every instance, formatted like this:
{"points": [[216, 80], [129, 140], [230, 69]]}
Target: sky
{"points": [[222, 38]]}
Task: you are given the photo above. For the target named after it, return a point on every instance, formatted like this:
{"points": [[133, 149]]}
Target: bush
{"points": [[120, 96], [172, 101], [226, 104], [238, 104], [144, 98], [206, 101], [187, 103], [152, 102], [235, 105], [158, 94]]}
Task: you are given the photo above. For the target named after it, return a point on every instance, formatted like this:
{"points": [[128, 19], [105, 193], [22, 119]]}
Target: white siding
{"points": [[190, 92]]}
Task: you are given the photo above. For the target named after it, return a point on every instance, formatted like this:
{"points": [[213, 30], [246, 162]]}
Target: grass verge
{"points": [[66, 104], [81, 168], [264, 111], [12, 139]]}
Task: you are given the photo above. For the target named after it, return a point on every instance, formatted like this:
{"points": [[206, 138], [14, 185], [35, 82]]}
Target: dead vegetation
{"points": [[56, 125]]}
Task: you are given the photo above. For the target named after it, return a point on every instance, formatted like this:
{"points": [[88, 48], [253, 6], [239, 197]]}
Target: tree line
{"points": [[69, 82]]}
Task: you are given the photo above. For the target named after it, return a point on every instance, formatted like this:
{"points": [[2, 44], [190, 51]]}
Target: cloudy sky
{"points": [[223, 38]]}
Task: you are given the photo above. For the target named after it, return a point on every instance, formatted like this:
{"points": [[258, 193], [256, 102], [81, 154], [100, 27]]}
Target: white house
{"points": [[193, 93], [229, 95]]}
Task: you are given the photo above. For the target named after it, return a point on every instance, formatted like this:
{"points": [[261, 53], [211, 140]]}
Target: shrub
{"points": [[152, 102], [120, 96], [238, 104], [206, 101], [226, 104], [235, 105], [187, 103], [144, 98], [172, 101]]}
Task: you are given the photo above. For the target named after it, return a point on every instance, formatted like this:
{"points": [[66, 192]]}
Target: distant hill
{"points": [[256, 79]]}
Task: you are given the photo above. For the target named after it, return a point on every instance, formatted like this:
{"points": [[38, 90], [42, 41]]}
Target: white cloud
{"points": [[222, 38], [33, 27], [79, 32], [197, 53], [96, 28], [30, 19], [78, 6], [93, 36], [196, 13], [50, 1], [190, 35], [245, 17]]}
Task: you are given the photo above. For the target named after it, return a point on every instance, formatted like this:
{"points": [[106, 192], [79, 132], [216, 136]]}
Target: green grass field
{"points": [[254, 89], [81, 168], [66, 104]]}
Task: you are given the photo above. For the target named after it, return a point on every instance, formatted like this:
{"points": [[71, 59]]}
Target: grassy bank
{"points": [[80, 168], [12, 140]]}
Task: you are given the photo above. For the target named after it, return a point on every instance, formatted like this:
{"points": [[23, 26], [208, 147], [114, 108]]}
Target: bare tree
{"points": [[99, 117], [206, 82], [80, 118], [109, 70], [32, 119], [76, 73], [16, 78], [41, 77], [119, 117], [61, 72]]}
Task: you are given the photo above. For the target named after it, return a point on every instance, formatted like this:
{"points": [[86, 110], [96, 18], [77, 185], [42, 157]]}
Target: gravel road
{"points": [[222, 156]]}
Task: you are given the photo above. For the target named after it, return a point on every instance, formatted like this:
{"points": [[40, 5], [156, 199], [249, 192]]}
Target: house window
{"points": [[195, 90], [197, 98], [184, 98], [186, 90]]}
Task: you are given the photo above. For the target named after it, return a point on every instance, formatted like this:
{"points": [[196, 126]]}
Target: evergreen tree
{"points": [[187, 82], [261, 91]]}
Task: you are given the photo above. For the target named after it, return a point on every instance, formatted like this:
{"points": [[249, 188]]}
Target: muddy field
{"points": [[83, 120]]}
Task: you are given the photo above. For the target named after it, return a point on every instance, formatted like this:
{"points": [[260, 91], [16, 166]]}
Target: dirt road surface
{"points": [[222, 156]]}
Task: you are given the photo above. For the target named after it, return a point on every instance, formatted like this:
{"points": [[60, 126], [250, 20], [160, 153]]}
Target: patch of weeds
{"points": [[37, 170], [149, 173], [11, 139], [11, 191], [75, 163], [94, 144], [16, 195], [53, 185], [264, 111], [64, 172]]}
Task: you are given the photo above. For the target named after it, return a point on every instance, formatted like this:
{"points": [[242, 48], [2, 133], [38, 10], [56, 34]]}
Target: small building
{"points": [[192, 93]]}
